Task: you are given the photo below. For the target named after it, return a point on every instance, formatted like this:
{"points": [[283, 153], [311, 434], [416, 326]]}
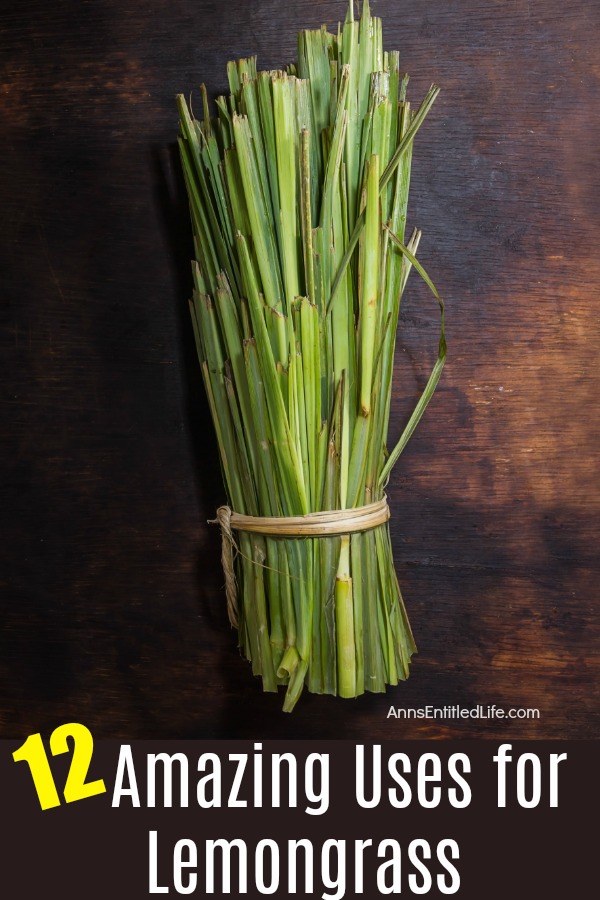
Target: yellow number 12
{"points": [[34, 754]]}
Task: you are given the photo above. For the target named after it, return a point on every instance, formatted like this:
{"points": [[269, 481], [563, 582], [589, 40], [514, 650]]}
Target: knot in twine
{"points": [[330, 523]]}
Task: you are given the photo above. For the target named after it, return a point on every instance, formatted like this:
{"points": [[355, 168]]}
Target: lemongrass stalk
{"points": [[343, 598], [306, 214], [344, 623], [264, 640], [316, 682], [368, 308], [359, 601], [284, 111], [329, 555], [262, 232]]}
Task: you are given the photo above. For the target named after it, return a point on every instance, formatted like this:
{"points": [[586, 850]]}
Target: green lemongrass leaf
{"points": [[235, 192], [435, 373], [230, 328], [196, 178], [334, 160], [284, 112], [306, 215], [313, 65], [260, 221], [243, 462], [365, 59], [211, 159], [205, 248], [288, 462], [370, 284], [250, 106], [385, 178], [415, 262], [265, 103], [353, 132]]}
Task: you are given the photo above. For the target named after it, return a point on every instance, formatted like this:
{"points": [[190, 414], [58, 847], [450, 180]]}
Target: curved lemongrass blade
{"points": [[435, 373]]}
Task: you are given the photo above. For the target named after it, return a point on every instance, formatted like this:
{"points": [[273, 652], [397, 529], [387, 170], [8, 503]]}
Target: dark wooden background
{"points": [[113, 612]]}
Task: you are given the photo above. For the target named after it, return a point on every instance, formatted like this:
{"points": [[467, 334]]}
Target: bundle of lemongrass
{"points": [[298, 192]]}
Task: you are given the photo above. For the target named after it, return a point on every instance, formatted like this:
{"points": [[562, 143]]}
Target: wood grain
{"points": [[113, 609]]}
